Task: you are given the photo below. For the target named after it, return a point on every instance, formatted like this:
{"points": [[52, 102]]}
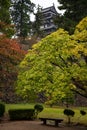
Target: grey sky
{"points": [[46, 3]]}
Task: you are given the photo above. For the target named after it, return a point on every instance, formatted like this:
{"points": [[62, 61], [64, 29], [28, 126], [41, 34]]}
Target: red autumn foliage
{"points": [[11, 55]]}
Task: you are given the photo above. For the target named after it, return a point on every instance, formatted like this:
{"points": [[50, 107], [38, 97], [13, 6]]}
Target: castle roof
{"points": [[48, 9]]}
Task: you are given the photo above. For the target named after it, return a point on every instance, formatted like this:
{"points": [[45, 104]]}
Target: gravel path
{"points": [[35, 125]]}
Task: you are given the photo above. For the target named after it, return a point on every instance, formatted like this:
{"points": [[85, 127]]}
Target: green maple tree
{"points": [[57, 66]]}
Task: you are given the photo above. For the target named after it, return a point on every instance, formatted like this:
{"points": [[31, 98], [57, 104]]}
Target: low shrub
{"points": [[21, 114], [2, 109], [38, 108], [69, 113], [82, 112]]}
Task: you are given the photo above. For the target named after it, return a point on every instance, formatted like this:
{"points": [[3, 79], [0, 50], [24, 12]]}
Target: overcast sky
{"points": [[45, 4]]}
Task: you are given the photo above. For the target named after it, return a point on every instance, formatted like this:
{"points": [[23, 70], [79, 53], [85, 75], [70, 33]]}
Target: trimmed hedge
{"points": [[38, 108], [69, 112], [21, 114], [82, 112], [2, 109]]}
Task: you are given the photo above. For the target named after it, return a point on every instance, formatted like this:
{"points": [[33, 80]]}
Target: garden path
{"points": [[35, 125]]}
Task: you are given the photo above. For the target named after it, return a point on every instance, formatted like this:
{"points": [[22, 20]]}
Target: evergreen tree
{"points": [[4, 11], [20, 12], [5, 20], [37, 23], [75, 10]]}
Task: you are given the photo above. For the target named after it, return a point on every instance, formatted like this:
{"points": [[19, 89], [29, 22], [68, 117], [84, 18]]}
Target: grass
{"points": [[18, 106], [56, 112]]}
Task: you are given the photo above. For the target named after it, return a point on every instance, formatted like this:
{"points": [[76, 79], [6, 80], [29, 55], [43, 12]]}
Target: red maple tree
{"points": [[11, 55]]}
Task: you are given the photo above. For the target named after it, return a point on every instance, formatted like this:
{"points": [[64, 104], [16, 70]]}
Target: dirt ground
{"points": [[6, 124], [35, 125]]}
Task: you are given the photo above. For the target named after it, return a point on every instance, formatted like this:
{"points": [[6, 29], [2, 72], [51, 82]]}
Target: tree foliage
{"points": [[20, 13], [75, 10], [4, 11], [10, 56], [56, 66], [37, 23], [5, 20]]}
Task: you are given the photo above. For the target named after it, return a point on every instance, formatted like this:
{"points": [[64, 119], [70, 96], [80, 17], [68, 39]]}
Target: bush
{"points": [[69, 113], [2, 109], [38, 108], [21, 114], [82, 112]]}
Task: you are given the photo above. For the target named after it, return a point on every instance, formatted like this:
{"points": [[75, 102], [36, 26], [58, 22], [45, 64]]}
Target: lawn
{"points": [[56, 112], [18, 106]]}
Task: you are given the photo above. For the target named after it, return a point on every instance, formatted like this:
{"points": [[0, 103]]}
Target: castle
{"points": [[48, 25]]}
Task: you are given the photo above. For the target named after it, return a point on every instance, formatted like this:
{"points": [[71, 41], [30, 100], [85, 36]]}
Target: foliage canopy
{"points": [[5, 20], [10, 56], [74, 12], [57, 65], [20, 13]]}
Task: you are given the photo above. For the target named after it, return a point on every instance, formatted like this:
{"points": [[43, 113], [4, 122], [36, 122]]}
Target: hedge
{"points": [[2, 109], [21, 114]]}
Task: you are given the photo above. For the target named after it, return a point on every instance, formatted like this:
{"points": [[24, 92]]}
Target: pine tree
{"points": [[37, 23], [4, 11], [20, 13], [75, 10], [5, 19]]}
